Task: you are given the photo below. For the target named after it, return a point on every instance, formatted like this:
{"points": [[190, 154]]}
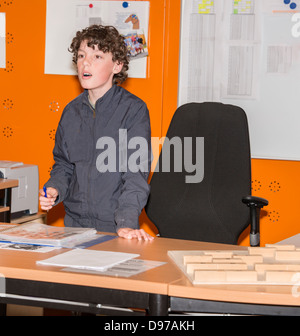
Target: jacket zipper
{"points": [[91, 164]]}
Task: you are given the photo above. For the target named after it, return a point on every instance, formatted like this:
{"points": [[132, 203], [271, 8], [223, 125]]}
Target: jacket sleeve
{"points": [[135, 188], [62, 169]]}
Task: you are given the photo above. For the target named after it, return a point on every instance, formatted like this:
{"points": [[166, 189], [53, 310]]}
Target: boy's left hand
{"points": [[131, 233]]}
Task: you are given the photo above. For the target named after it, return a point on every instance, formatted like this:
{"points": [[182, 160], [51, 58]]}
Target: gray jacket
{"points": [[92, 197]]}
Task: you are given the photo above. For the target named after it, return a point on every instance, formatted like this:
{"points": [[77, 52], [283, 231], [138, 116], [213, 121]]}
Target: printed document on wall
{"points": [[65, 18], [242, 50], [220, 50], [197, 51], [2, 41], [246, 53]]}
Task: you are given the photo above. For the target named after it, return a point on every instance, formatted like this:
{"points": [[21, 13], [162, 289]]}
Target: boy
{"points": [[109, 201]]}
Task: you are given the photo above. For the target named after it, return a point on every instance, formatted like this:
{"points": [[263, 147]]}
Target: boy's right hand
{"points": [[48, 202]]}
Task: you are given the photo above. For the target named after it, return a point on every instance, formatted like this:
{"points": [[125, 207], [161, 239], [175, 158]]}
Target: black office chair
{"points": [[211, 210]]}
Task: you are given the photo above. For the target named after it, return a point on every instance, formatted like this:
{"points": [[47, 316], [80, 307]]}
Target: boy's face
{"points": [[96, 69]]}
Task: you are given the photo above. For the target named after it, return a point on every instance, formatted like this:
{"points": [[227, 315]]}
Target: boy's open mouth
{"points": [[87, 74]]}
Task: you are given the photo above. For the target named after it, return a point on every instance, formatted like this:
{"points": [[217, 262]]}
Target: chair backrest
{"points": [[210, 210]]}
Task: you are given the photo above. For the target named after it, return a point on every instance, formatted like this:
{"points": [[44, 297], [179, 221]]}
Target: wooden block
{"points": [[226, 276], [227, 260], [250, 259], [210, 276], [287, 255], [281, 247], [190, 268], [293, 267], [241, 276], [238, 267], [219, 254], [266, 252], [282, 277], [197, 259], [277, 267]]}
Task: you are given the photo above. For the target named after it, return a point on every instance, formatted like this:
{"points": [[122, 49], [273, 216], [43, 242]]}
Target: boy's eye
{"points": [[80, 56]]}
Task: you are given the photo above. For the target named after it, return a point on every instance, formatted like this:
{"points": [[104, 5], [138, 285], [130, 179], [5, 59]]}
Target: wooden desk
{"points": [[148, 290], [233, 299], [155, 290]]}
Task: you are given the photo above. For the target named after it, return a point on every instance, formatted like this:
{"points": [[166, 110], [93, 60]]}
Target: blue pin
{"points": [[125, 4], [293, 5]]}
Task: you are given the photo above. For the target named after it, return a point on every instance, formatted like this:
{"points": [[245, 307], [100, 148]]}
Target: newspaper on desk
{"points": [[22, 246], [27, 247], [47, 235]]}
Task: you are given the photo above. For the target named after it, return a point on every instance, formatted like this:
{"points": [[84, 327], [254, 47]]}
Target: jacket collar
{"points": [[107, 100]]}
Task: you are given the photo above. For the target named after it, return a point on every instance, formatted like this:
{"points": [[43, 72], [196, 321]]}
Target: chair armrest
{"points": [[255, 204], [254, 201]]}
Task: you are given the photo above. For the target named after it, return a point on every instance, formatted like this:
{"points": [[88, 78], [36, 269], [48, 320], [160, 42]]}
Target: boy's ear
{"points": [[117, 67]]}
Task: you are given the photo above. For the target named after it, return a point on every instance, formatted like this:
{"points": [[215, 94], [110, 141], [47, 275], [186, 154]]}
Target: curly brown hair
{"points": [[108, 39]]}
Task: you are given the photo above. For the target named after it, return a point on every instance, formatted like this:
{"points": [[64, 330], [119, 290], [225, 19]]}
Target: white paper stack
{"points": [[88, 259]]}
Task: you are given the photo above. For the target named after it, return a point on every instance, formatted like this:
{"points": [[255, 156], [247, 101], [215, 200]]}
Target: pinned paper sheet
{"points": [[2, 40], [66, 17]]}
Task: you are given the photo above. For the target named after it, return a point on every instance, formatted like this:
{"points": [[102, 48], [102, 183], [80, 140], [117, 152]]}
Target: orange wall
{"points": [[277, 181], [31, 104]]}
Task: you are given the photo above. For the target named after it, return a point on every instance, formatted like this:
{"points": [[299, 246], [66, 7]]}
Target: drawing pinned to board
{"points": [[136, 45], [133, 18]]}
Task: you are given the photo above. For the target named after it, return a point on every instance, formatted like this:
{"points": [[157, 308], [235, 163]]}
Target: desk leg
{"points": [[7, 202], [158, 305], [2, 309]]}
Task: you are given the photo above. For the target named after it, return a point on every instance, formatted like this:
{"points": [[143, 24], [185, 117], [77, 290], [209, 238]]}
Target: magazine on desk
{"points": [[43, 234]]}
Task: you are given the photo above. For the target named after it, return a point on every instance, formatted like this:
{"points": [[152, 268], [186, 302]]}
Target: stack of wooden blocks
{"points": [[272, 264]]}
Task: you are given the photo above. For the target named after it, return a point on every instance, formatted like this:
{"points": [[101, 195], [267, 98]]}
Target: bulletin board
{"points": [[65, 18], [246, 53]]}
